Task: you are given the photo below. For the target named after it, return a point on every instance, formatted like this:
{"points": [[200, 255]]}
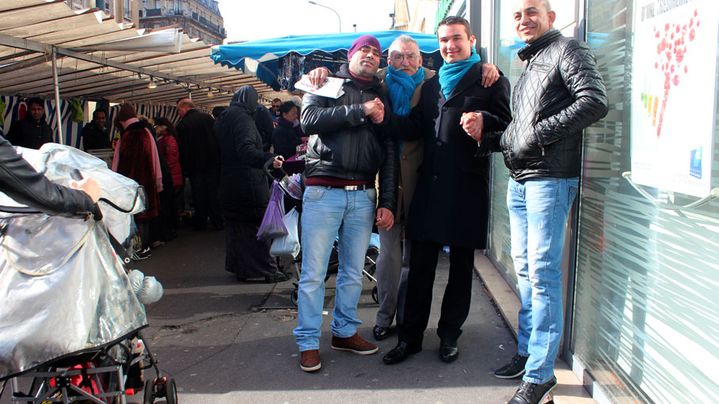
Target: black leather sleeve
{"points": [[584, 82], [321, 115], [389, 174], [20, 181], [496, 119]]}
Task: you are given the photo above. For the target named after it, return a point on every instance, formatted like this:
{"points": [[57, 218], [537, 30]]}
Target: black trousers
{"points": [[205, 197], [457, 294]]}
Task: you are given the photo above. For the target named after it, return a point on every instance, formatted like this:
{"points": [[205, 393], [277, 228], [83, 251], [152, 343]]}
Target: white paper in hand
{"points": [[331, 89]]}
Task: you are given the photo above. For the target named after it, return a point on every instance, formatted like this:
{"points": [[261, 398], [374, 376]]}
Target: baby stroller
{"points": [[292, 189], [70, 327]]}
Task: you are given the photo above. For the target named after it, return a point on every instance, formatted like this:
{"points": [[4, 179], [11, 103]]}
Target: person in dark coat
{"points": [[265, 126], [96, 134], [451, 202], [285, 137], [33, 131], [244, 193], [136, 157], [200, 161]]}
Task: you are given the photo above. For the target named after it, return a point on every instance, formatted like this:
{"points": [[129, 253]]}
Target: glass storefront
{"points": [[643, 314], [645, 323]]}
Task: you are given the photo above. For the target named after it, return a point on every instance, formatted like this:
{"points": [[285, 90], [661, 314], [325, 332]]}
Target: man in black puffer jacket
{"points": [[559, 94], [347, 149]]}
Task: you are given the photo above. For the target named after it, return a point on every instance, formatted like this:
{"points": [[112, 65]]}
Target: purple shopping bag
{"points": [[272, 225]]}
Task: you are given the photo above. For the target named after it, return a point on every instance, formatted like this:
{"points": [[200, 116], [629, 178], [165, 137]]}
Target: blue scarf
{"points": [[401, 87], [451, 73]]}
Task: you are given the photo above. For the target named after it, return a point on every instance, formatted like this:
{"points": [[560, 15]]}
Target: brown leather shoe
{"points": [[354, 344], [310, 360]]}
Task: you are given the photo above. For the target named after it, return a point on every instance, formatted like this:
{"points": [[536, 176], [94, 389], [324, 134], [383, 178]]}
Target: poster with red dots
{"points": [[674, 93]]}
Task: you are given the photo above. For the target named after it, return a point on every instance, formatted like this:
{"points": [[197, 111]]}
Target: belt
{"points": [[352, 187]]}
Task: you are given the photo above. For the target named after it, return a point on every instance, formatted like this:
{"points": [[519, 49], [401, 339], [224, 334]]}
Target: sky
{"points": [[249, 20]]}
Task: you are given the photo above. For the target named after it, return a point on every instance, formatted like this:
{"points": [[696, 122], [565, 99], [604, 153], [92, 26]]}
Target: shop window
{"points": [[645, 311]]}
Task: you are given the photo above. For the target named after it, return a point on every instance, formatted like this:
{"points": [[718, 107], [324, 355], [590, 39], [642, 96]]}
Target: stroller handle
{"points": [[268, 170], [76, 175]]}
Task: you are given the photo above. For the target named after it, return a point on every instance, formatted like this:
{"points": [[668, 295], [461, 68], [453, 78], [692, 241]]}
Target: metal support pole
{"points": [[56, 84]]}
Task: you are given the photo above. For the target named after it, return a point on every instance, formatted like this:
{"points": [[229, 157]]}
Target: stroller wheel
{"points": [[171, 392], [149, 397], [375, 295], [293, 297]]}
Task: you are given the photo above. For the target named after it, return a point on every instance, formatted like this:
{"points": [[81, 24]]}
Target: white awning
{"points": [[99, 58]]}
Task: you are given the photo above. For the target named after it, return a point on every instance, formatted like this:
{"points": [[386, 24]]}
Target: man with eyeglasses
{"points": [[349, 146], [403, 79]]}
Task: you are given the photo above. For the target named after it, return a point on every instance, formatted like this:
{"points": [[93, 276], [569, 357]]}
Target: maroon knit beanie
{"points": [[364, 40]]}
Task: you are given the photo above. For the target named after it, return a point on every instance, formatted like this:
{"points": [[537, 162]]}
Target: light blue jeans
{"points": [[326, 214], [538, 210]]}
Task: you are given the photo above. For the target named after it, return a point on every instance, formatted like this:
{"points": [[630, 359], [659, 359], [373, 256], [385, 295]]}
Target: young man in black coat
{"points": [[96, 134], [33, 131], [451, 201]]}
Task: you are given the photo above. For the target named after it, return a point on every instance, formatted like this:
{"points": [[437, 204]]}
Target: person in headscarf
{"points": [[244, 193]]}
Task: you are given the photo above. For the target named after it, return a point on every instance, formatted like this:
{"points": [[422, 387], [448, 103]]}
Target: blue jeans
{"points": [[538, 210], [326, 214]]}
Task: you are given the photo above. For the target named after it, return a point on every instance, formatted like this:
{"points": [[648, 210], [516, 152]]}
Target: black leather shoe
{"points": [[512, 370], [381, 333], [530, 393], [399, 353], [448, 351]]}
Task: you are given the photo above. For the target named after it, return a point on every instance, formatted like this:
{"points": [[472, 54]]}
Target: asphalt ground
{"points": [[229, 342]]}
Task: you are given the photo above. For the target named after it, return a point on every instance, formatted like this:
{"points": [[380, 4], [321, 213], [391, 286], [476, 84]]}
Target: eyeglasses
{"points": [[398, 57]]}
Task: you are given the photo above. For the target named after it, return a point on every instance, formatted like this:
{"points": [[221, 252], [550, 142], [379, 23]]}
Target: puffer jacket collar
{"points": [[533, 48]]}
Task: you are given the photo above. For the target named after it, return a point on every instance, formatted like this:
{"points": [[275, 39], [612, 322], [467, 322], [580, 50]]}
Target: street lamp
{"points": [[329, 8]]}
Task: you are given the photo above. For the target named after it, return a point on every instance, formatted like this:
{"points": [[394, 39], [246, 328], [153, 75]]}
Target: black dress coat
{"points": [[244, 191], [285, 138], [451, 202], [199, 153], [30, 133], [95, 138]]}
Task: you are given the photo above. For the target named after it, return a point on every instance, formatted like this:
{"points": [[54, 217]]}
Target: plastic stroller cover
{"points": [[63, 289]]}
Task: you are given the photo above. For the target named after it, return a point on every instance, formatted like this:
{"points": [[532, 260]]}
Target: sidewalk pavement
{"points": [[229, 342]]}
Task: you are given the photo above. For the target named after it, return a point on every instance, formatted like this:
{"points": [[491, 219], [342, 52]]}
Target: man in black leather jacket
{"points": [[20, 181], [348, 146], [559, 94]]}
